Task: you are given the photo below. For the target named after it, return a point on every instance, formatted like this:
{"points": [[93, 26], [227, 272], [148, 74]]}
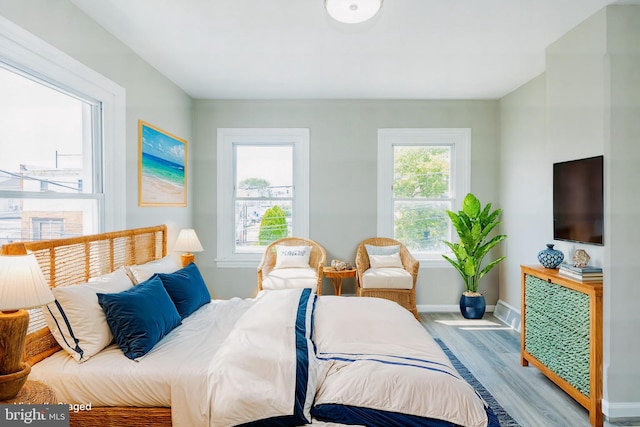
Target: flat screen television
{"points": [[578, 202]]}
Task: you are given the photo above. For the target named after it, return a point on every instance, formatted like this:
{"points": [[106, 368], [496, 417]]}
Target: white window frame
{"points": [[460, 141], [24, 51], [227, 138]]}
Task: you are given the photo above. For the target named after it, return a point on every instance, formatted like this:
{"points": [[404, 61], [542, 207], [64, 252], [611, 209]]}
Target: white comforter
{"points": [[240, 361], [380, 364], [174, 373]]}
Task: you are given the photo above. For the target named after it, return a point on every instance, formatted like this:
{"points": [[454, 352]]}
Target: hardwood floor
{"points": [[491, 351]]}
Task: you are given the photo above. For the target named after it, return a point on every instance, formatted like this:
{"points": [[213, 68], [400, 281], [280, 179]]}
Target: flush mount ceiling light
{"points": [[352, 11]]}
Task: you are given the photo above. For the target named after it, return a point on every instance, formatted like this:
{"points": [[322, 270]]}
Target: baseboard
{"points": [[454, 308], [507, 314], [621, 411]]}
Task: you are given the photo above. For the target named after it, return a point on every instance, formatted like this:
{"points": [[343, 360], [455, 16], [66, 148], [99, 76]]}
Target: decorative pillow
{"points": [[292, 256], [75, 318], [142, 272], [385, 261], [382, 250], [140, 317], [187, 289]]}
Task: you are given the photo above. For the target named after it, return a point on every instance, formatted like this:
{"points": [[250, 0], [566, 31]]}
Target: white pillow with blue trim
{"points": [[75, 318]]}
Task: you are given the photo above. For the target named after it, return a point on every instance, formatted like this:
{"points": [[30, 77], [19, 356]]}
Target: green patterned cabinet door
{"points": [[557, 330], [561, 334]]}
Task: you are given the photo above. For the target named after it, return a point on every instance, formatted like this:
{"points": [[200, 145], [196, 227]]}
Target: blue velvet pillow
{"points": [[140, 317], [186, 288]]}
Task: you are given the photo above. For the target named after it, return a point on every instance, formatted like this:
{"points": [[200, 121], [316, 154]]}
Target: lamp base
{"points": [[188, 258], [11, 384], [13, 333]]}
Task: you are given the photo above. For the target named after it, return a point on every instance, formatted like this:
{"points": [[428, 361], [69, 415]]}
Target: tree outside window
{"points": [[421, 189]]}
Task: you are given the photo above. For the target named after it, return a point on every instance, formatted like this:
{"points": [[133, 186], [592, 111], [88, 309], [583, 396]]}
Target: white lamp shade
{"points": [[188, 241], [22, 284], [352, 11]]}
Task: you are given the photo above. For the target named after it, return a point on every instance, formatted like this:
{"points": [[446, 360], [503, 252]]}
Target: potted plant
{"points": [[473, 224]]}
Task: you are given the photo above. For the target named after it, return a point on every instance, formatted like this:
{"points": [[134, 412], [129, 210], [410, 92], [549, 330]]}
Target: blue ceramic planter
{"points": [[472, 307]]}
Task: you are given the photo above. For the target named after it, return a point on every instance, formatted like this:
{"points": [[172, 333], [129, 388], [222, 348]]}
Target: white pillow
{"points": [[386, 261], [142, 272], [75, 318], [292, 256]]}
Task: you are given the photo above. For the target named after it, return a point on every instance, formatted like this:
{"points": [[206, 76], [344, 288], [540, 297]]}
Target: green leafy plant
{"points": [[273, 226], [473, 224]]}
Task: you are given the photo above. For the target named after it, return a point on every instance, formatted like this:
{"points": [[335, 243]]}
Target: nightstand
{"points": [[336, 277]]}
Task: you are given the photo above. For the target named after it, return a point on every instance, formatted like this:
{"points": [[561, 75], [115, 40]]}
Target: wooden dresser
{"points": [[561, 334]]}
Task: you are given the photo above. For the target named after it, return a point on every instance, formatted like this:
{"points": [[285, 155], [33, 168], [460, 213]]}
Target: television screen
{"points": [[578, 203]]}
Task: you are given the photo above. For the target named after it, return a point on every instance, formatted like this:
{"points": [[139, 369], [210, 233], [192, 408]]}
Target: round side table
{"points": [[336, 277], [34, 393]]}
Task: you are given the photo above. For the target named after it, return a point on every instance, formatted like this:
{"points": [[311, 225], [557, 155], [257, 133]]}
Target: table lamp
{"points": [[187, 242], [22, 286]]}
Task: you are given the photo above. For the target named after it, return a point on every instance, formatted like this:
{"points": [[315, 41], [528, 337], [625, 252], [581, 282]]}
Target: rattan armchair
{"points": [[404, 297], [317, 259]]}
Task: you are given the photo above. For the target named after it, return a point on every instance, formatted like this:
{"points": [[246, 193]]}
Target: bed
{"points": [[304, 356]]}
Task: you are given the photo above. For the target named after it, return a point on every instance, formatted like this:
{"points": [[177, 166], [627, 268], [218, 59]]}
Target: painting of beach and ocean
{"points": [[162, 178]]}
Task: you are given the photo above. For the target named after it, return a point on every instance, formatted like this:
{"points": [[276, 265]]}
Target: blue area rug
{"points": [[503, 416]]}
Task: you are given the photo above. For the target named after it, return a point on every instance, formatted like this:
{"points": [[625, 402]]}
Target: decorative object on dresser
{"points": [[22, 285], [581, 258], [473, 224], [549, 257], [561, 334], [582, 274], [188, 243]]}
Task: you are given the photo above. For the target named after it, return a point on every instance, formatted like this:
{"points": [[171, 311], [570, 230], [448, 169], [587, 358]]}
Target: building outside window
{"points": [[49, 184], [422, 173], [62, 139], [263, 187]]}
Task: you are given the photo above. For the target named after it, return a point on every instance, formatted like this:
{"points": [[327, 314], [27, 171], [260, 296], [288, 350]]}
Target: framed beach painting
{"points": [[162, 168]]}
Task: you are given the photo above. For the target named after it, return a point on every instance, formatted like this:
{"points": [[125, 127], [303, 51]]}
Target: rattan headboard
{"points": [[74, 260]]}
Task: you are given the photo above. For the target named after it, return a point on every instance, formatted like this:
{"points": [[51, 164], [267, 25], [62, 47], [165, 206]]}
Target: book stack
{"points": [[582, 274]]}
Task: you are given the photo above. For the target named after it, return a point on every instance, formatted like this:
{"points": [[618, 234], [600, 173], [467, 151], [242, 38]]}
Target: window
{"points": [[62, 139], [263, 191], [422, 173]]}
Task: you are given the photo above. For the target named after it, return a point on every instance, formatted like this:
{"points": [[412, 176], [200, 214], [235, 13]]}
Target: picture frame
{"points": [[162, 167]]}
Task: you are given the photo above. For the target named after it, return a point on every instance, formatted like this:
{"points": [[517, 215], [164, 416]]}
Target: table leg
{"points": [[337, 285]]}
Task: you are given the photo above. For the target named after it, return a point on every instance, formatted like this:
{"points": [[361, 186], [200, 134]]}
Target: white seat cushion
{"points": [[288, 278], [387, 278]]}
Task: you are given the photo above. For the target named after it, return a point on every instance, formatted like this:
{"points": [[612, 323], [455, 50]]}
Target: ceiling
{"points": [[291, 49]]}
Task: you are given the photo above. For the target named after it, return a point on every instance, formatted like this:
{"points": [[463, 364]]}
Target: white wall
{"points": [[149, 95], [622, 283], [591, 96], [525, 182], [343, 153]]}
